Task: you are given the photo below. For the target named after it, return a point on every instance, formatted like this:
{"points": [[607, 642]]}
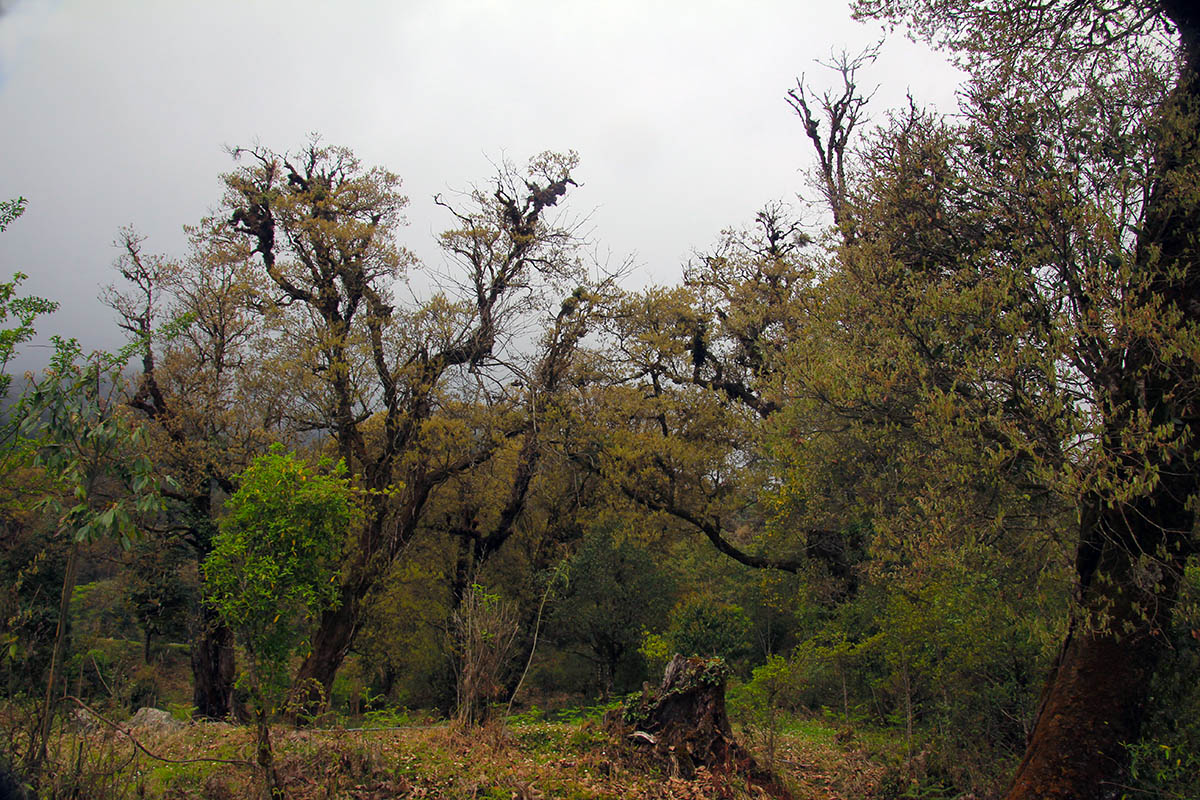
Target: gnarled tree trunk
{"points": [[1095, 699], [330, 644]]}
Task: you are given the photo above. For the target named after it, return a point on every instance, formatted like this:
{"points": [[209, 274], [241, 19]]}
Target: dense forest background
{"points": [[925, 468]]}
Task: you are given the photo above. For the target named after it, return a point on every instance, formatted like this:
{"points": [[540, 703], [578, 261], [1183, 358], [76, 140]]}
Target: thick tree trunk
{"points": [[212, 668], [330, 644], [1094, 702], [334, 636], [380, 541]]}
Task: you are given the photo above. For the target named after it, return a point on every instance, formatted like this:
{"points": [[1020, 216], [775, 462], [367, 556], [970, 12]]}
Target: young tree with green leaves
{"points": [[274, 569], [614, 592], [102, 483]]}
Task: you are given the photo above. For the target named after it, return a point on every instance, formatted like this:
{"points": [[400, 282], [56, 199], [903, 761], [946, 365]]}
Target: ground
{"points": [[522, 760]]}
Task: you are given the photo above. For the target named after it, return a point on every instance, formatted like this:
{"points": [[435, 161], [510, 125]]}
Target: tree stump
{"points": [[685, 725]]}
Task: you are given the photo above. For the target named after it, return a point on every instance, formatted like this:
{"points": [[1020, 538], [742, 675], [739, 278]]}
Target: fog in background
{"points": [[117, 113]]}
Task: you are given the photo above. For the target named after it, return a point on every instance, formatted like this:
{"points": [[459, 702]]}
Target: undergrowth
{"points": [[528, 758]]}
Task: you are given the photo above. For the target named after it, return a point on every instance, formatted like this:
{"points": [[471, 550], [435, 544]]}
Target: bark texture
{"points": [[330, 644], [1096, 696]]}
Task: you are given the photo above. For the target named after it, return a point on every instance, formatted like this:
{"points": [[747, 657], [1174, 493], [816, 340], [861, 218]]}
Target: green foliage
{"points": [[87, 441], [181, 711], [1165, 761], [157, 591], [23, 310], [274, 561], [656, 650], [1164, 771], [99, 609], [758, 705], [769, 686], [614, 592], [389, 717], [10, 210], [32, 567], [402, 644], [910, 421], [700, 627]]}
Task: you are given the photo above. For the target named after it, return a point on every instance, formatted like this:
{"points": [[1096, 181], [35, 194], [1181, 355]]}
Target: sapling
{"points": [[273, 568]]}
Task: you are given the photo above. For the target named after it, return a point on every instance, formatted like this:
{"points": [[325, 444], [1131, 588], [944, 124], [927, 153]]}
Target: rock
{"points": [[155, 719]]}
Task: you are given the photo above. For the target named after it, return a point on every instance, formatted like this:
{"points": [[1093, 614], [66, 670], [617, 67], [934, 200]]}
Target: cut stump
{"points": [[685, 725]]}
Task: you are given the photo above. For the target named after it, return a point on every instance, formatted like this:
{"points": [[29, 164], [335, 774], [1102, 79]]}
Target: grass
{"points": [[523, 760]]}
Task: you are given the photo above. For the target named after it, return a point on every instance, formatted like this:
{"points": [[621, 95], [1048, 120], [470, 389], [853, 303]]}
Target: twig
{"points": [[123, 730], [1158, 792], [100, 675], [362, 730], [533, 647]]}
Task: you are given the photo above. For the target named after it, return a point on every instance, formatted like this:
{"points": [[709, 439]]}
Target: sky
{"points": [[119, 113]]}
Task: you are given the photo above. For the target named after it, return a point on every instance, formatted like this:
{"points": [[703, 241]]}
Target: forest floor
{"points": [[576, 760]]}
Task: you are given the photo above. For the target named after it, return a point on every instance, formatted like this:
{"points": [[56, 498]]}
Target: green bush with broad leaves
{"points": [[274, 568]]}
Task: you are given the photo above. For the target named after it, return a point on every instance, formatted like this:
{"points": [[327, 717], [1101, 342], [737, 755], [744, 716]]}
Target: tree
{"points": [[32, 569], [273, 569], [161, 598], [204, 407], [102, 482], [704, 373], [702, 628], [487, 503], [614, 593], [374, 375], [1067, 202]]}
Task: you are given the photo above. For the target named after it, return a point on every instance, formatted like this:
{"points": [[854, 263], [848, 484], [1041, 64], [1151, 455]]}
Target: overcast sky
{"points": [[116, 113]]}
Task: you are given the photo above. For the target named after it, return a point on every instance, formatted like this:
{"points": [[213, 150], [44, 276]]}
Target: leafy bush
{"points": [[274, 567], [615, 591], [701, 628]]}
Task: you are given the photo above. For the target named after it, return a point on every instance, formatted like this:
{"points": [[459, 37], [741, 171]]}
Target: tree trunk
{"points": [[212, 668], [330, 644], [1094, 702], [380, 541], [685, 723], [56, 657], [273, 789]]}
